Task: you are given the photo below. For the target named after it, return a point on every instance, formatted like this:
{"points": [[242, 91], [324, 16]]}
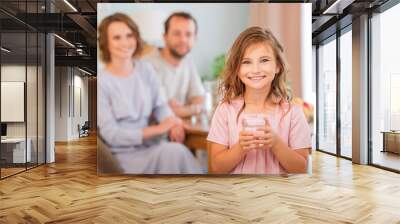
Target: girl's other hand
{"points": [[247, 141], [266, 137]]}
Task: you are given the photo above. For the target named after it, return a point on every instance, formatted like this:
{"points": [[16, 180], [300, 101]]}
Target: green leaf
{"points": [[217, 66]]}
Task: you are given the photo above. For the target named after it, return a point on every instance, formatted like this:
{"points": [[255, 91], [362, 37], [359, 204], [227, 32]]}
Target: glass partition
{"points": [[327, 96], [346, 94], [22, 77], [14, 153], [385, 89]]}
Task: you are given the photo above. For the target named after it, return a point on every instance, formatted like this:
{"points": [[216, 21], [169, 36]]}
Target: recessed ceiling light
{"points": [[84, 71], [337, 7], [5, 49], [70, 5], [64, 40]]}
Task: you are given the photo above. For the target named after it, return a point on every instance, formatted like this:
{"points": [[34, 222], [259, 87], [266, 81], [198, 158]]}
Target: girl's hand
{"points": [[247, 141], [266, 137]]}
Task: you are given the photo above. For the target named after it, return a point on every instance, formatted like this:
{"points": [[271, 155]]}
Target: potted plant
{"points": [[211, 83]]}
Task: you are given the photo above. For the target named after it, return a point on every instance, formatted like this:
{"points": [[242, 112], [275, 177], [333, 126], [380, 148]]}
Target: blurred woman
{"points": [[128, 95]]}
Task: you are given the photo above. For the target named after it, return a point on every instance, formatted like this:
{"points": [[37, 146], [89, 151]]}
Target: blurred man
{"points": [[176, 70]]}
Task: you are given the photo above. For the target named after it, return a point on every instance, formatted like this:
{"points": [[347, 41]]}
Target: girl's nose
{"points": [[255, 68]]}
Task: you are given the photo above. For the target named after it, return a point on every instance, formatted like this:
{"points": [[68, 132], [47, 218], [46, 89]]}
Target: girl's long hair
{"points": [[232, 87]]}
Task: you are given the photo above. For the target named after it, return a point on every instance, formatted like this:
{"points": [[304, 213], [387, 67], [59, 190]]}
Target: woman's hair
{"points": [[232, 87], [103, 35]]}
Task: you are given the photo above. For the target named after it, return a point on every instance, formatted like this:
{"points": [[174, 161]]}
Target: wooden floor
{"points": [[10, 171], [5, 172], [70, 191]]}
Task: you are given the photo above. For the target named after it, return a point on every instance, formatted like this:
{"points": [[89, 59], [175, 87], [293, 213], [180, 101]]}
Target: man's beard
{"points": [[176, 54]]}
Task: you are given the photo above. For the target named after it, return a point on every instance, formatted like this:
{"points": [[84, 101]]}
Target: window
{"points": [[327, 96], [385, 89], [346, 94]]}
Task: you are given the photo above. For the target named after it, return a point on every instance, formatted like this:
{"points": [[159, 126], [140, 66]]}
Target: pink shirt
{"points": [[293, 129]]}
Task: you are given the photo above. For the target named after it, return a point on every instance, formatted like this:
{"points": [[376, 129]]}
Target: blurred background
{"points": [[220, 23]]}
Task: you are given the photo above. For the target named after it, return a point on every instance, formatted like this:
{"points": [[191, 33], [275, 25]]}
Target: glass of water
{"points": [[253, 122]]}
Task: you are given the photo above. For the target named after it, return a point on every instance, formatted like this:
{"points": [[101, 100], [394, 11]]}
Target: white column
{"points": [[62, 103], [50, 99], [308, 92], [360, 90]]}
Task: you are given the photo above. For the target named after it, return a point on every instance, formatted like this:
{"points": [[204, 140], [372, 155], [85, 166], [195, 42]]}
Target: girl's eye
{"points": [[264, 60], [245, 62]]}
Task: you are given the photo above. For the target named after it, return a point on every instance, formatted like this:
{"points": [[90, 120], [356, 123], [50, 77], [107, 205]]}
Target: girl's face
{"points": [[258, 66], [121, 41]]}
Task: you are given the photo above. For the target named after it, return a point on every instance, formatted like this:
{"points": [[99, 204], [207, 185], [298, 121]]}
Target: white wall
{"points": [[13, 73], [16, 73], [79, 117], [68, 82], [307, 77], [61, 103], [219, 24]]}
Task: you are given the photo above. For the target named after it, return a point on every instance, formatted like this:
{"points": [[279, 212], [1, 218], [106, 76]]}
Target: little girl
{"points": [[255, 83]]}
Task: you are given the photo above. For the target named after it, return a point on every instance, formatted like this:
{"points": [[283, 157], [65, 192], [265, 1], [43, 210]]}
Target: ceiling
{"points": [[329, 16], [76, 23]]}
